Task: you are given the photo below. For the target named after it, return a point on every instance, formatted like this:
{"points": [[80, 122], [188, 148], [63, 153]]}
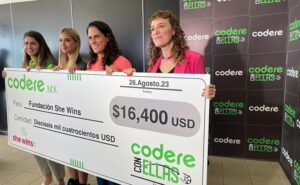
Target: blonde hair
{"points": [[66, 61]]}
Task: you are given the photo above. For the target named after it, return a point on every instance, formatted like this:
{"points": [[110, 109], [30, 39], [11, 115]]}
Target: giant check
{"points": [[141, 130]]}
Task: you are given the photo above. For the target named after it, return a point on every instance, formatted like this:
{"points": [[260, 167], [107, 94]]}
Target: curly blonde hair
{"points": [[180, 44]]}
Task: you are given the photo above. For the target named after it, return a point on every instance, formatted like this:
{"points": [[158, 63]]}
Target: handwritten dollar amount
{"points": [[155, 115]]}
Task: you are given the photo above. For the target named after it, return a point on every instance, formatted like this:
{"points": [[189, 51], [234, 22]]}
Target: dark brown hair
{"points": [[111, 51], [44, 53]]}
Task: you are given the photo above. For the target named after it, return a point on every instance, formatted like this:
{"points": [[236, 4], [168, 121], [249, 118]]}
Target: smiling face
{"points": [[161, 32], [97, 40], [32, 47], [67, 44]]}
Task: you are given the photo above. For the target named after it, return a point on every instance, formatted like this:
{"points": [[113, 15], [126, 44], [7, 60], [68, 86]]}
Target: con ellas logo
{"points": [[265, 73], [195, 4], [228, 108], [162, 163], [263, 144], [294, 30], [26, 84], [231, 35], [297, 171], [289, 115], [263, 2]]}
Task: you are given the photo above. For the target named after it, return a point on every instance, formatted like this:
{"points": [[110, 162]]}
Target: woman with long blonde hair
{"points": [[69, 46], [70, 59]]}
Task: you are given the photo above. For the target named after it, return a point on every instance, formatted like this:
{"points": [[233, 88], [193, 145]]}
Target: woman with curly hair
{"points": [[169, 52]]}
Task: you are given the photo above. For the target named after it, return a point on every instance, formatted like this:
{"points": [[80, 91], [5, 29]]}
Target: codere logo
{"points": [[27, 84], [223, 1], [263, 144], [227, 140], [231, 35], [294, 30], [292, 73], [289, 115], [228, 108], [162, 163], [267, 33], [196, 37], [229, 72], [195, 4], [265, 73], [262, 108], [297, 171], [268, 1], [298, 123], [287, 156]]}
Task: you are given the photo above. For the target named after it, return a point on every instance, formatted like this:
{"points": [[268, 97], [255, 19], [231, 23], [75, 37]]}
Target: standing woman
{"points": [[169, 52], [70, 59], [105, 55], [38, 55]]}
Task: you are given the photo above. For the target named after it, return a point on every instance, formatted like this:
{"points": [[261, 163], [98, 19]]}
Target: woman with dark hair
{"points": [[104, 55], [104, 51], [169, 52], [38, 55]]}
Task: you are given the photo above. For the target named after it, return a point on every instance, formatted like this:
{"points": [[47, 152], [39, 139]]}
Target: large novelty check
{"points": [[142, 130]]}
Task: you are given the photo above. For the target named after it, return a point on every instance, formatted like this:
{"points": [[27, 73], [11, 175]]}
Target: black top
{"points": [[171, 71], [81, 64]]}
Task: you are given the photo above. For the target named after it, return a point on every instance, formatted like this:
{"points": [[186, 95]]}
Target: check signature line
{"points": [[153, 88], [75, 136], [146, 179], [64, 115]]}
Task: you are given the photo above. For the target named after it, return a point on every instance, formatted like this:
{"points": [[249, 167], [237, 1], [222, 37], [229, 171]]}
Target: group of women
{"points": [[168, 53]]}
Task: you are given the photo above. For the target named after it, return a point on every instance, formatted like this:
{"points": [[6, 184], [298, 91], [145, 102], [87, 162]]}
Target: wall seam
{"points": [[13, 31], [143, 33], [71, 10]]}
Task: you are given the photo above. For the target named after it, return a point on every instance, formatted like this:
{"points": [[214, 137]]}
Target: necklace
{"points": [[167, 58]]}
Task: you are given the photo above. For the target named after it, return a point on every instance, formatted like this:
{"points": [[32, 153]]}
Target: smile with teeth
{"points": [[95, 47]]}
